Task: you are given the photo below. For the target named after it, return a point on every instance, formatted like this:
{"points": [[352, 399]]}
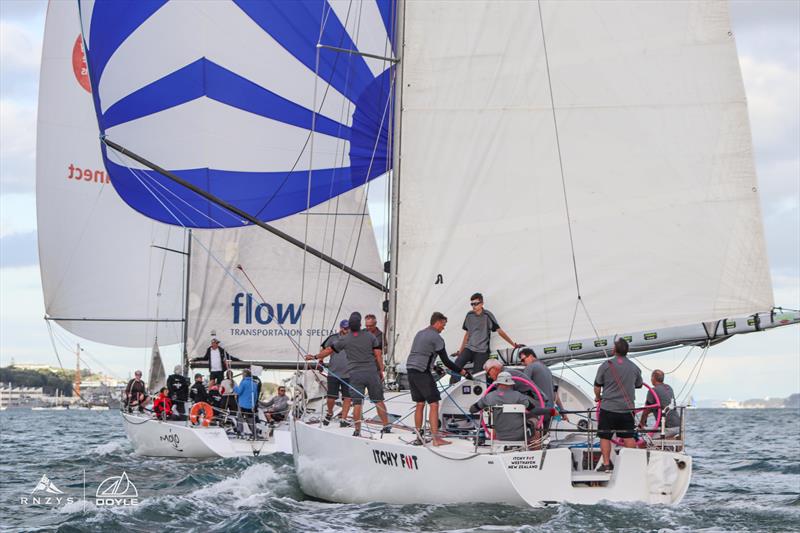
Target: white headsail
{"points": [[102, 278], [602, 150], [297, 310]]}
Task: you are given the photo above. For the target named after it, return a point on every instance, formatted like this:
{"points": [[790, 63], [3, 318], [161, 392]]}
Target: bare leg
{"points": [[605, 450], [629, 443], [330, 403], [419, 413], [357, 416], [434, 421], [381, 408], [346, 407]]}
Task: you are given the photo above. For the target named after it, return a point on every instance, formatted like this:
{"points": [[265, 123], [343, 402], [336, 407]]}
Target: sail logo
{"points": [[116, 490], [45, 492], [395, 460], [249, 310], [79, 66]]}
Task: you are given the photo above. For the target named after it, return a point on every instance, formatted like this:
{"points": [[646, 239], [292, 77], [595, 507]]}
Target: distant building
{"points": [[20, 396]]}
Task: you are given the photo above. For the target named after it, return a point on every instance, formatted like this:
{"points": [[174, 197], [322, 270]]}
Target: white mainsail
{"points": [[96, 254], [646, 140], [297, 310]]}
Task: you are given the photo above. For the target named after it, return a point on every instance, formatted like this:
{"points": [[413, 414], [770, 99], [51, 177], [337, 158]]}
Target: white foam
{"points": [[110, 447], [248, 489]]}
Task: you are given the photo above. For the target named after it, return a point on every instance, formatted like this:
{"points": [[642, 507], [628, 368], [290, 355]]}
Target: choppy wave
{"points": [[739, 485]]}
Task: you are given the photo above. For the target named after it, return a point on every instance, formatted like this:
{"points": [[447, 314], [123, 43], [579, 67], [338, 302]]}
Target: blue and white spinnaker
{"points": [[227, 94]]}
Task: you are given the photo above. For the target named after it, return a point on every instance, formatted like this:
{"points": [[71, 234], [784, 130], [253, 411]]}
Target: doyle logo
{"points": [[394, 459], [117, 490], [264, 313], [45, 492]]}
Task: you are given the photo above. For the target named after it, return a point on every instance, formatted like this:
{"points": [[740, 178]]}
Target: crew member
{"points": [[337, 377], [666, 397], [427, 344], [178, 387], [617, 378], [277, 407], [218, 360], [136, 392], [478, 327], [371, 325], [507, 426], [214, 394], [197, 392], [162, 405], [247, 396], [364, 368]]}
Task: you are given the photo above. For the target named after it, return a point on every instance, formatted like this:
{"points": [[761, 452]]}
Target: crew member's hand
{"points": [[309, 357], [466, 374], [380, 373], [564, 417], [518, 345], [597, 399]]}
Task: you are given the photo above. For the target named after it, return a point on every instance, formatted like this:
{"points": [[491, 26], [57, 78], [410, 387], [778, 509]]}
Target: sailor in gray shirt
{"points": [[338, 377], [617, 378], [666, 397], [427, 344], [479, 324], [507, 426], [364, 368]]}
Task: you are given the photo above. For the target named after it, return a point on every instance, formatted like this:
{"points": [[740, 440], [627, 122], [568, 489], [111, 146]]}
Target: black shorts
{"points": [[423, 386], [623, 424], [363, 381], [336, 387]]}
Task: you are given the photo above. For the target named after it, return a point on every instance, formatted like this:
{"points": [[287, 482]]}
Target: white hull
{"points": [[157, 438], [332, 465]]}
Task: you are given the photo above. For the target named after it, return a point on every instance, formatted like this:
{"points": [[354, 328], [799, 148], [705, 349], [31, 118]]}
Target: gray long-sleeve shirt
{"points": [[508, 426]]}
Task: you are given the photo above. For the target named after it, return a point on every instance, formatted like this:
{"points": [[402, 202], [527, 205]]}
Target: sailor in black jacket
{"points": [[178, 386], [218, 360]]}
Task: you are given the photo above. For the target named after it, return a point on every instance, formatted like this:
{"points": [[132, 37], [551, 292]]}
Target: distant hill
{"points": [[792, 402], [49, 380]]}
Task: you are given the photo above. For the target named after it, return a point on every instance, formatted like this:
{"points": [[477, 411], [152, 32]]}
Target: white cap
{"points": [[504, 378]]}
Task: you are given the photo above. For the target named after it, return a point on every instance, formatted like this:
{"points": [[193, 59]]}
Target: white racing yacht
{"points": [[587, 166]]}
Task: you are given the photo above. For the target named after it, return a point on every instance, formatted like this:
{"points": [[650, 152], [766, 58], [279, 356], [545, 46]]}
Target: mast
{"points": [[185, 358], [77, 386], [395, 196]]}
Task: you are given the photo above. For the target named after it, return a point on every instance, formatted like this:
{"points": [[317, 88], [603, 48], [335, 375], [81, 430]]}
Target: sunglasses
{"points": [[474, 304]]}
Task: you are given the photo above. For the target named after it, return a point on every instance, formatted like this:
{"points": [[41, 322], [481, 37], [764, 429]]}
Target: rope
{"points": [[558, 147]]}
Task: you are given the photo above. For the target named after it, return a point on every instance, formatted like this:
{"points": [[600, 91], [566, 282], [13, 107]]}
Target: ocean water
{"points": [[746, 478]]}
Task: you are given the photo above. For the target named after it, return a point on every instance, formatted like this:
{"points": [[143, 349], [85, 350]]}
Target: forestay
{"points": [[227, 94], [297, 310], [658, 182], [95, 253]]}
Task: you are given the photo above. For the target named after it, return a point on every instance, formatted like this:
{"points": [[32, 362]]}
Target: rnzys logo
{"points": [[117, 490], [45, 492]]}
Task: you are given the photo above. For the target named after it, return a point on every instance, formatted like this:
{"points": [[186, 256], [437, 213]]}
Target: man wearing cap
{"points": [[218, 360], [479, 324], [136, 392], [364, 368], [427, 344], [247, 394], [507, 426], [337, 377], [178, 387]]}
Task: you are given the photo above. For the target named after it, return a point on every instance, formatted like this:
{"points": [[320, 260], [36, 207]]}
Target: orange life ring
{"points": [[208, 414]]}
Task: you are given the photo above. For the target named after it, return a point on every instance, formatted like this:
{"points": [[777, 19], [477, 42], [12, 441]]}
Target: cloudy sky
{"points": [[758, 365]]}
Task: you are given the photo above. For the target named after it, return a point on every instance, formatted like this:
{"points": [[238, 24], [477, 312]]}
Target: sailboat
{"points": [[586, 166], [118, 277]]}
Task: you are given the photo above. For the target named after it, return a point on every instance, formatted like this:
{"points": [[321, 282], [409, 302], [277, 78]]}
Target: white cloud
{"points": [[20, 47], [17, 146]]}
